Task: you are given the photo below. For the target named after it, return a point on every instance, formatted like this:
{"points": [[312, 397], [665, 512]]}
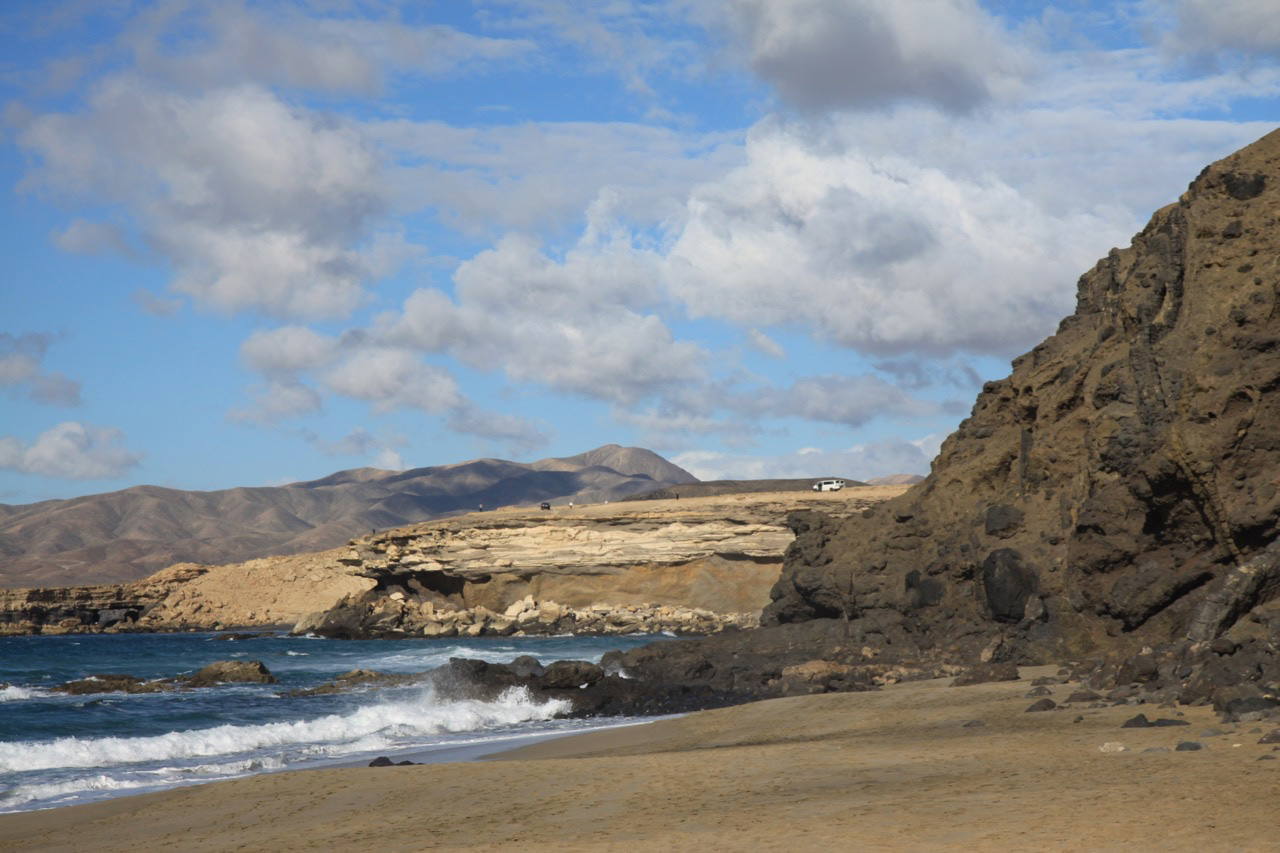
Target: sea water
{"points": [[58, 750]]}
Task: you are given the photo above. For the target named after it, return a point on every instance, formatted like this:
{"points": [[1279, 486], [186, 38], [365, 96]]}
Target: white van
{"points": [[828, 485]]}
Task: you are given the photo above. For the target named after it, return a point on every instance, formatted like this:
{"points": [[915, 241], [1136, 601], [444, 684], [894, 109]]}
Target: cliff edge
{"points": [[1122, 483]]}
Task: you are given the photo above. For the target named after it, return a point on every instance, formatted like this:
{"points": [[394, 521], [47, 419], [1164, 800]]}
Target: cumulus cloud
{"points": [[577, 324], [392, 379], [21, 370], [877, 252], [71, 450], [841, 54], [518, 433], [277, 400], [258, 204], [287, 349]]}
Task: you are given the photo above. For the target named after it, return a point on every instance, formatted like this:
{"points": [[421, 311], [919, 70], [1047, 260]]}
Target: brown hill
{"points": [[129, 534], [1120, 487]]}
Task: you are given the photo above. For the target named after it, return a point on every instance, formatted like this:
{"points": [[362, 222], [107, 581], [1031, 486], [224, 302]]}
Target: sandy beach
{"points": [[889, 770]]}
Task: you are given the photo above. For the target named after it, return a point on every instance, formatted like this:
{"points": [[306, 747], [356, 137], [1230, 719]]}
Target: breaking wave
{"points": [[367, 728]]}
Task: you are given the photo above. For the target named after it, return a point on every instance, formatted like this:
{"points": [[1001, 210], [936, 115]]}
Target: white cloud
{"points": [[859, 462], [21, 370], [539, 177], [518, 433], [393, 378], [838, 54], [1204, 30], [277, 400], [71, 450], [287, 350], [258, 204], [876, 252], [848, 400], [230, 43], [576, 325]]}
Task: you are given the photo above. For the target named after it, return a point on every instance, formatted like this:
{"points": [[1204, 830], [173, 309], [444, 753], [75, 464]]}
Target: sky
{"points": [[253, 243]]}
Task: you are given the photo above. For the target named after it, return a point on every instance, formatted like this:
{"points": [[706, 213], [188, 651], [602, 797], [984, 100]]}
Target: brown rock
{"points": [[231, 671], [1119, 482]]}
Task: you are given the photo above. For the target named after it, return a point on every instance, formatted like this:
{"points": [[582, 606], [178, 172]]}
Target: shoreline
{"points": [[902, 767]]}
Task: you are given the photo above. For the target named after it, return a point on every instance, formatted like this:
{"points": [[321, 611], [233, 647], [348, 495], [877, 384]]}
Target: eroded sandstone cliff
{"points": [[1114, 485], [689, 566]]}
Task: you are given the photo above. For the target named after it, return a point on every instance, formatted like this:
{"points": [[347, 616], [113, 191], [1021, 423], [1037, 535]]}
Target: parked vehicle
{"points": [[546, 505], [828, 485]]}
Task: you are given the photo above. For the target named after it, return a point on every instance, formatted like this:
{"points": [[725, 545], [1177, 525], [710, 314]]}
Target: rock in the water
{"points": [[232, 671], [111, 683]]}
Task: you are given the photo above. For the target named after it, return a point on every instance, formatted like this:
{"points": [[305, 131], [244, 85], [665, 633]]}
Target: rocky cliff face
{"points": [[1122, 482], [689, 566]]}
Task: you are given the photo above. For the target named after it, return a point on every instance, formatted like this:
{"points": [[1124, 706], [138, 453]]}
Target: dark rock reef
{"points": [[1119, 489]]}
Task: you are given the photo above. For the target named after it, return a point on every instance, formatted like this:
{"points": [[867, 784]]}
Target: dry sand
{"points": [[890, 770]]}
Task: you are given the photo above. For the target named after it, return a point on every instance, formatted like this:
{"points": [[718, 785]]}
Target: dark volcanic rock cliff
{"points": [[1115, 483]]}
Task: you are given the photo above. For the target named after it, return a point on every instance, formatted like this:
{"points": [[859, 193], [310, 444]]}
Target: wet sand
{"points": [[896, 769]]}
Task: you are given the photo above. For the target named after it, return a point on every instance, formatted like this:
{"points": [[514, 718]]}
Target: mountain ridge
{"points": [[131, 533]]}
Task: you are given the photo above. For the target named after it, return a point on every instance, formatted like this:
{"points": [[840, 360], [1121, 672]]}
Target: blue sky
{"points": [[249, 243]]}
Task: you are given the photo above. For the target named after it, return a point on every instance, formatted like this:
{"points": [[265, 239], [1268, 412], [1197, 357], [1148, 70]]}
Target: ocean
{"points": [[58, 750]]}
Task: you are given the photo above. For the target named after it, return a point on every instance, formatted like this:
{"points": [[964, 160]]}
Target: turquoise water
{"points": [[58, 750]]}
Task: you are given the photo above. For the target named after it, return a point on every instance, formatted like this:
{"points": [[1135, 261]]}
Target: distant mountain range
{"points": [[126, 535]]}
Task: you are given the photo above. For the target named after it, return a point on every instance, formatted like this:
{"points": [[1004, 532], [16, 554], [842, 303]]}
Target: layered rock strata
{"points": [[680, 566], [1118, 490], [657, 566]]}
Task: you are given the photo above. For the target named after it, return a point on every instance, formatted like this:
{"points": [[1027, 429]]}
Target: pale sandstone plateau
{"points": [[1093, 562], [692, 564]]}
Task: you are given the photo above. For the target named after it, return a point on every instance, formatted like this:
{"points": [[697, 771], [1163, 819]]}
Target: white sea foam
{"points": [[14, 693], [69, 790], [366, 728]]}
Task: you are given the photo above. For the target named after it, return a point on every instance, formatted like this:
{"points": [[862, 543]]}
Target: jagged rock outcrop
{"points": [[373, 615], [1116, 489], [61, 610]]}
